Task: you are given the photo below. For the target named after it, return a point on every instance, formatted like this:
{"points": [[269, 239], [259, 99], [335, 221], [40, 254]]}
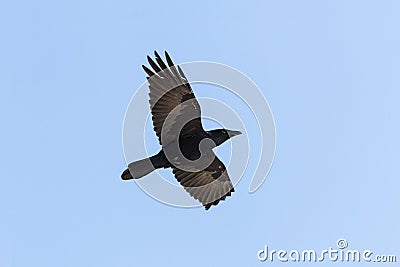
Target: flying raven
{"points": [[186, 146]]}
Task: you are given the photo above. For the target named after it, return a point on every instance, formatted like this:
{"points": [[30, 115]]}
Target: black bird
{"points": [[186, 146]]}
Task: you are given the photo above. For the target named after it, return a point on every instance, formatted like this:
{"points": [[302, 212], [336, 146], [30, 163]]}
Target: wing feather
{"points": [[209, 186], [170, 91]]}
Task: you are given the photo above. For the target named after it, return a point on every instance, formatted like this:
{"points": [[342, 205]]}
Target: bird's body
{"points": [[186, 146]]}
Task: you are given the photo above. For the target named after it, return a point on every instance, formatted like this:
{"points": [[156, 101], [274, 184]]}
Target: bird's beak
{"points": [[233, 133]]}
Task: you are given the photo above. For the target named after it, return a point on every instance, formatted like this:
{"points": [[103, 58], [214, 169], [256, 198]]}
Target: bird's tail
{"points": [[142, 167]]}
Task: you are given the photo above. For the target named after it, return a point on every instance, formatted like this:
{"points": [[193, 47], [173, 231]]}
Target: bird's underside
{"points": [[176, 117]]}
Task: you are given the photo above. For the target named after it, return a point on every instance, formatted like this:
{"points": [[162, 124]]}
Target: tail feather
{"points": [[126, 175], [143, 167], [138, 169]]}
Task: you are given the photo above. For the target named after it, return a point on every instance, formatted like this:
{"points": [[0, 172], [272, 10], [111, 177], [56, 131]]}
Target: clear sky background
{"points": [[329, 70]]}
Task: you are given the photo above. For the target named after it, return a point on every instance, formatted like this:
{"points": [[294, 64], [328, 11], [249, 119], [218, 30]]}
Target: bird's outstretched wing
{"points": [[208, 186], [175, 110]]}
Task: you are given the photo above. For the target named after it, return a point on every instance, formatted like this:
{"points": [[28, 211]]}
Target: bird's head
{"points": [[221, 135]]}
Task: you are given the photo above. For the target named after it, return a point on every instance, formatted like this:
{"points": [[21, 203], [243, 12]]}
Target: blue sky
{"points": [[329, 70]]}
